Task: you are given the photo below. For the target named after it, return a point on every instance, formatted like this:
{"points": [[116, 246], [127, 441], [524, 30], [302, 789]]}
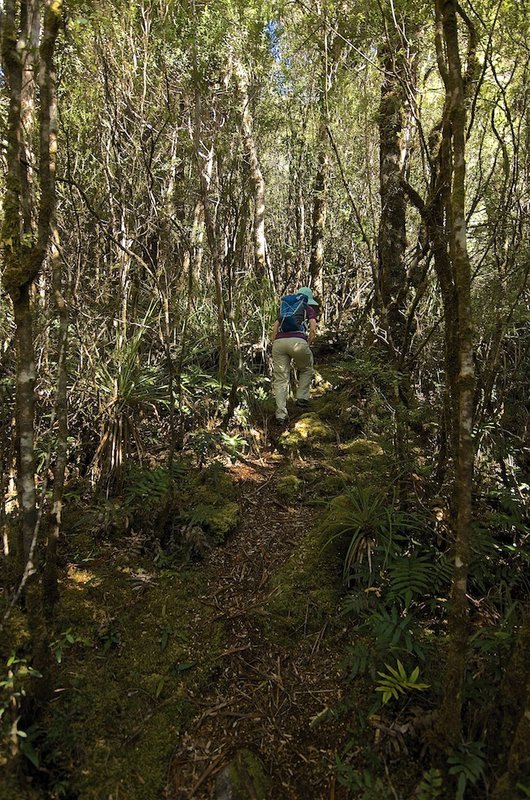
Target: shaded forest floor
{"points": [[222, 678]]}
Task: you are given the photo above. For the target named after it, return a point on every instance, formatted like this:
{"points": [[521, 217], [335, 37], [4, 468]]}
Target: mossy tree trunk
{"points": [[394, 121], [444, 215], [330, 48], [50, 591], [392, 284], [25, 249], [460, 351], [24, 254]]}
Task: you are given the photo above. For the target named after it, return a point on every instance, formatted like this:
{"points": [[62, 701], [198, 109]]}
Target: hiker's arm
{"points": [[312, 331], [275, 330]]}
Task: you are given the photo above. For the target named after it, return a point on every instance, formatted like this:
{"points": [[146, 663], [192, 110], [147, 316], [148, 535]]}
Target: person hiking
{"points": [[291, 341]]}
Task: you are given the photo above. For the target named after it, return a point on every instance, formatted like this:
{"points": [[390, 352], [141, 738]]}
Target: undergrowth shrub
{"points": [[397, 567]]}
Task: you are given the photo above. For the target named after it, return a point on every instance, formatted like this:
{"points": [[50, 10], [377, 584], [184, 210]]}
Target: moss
{"points": [[289, 486], [123, 707], [213, 505], [11, 788], [217, 518], [307, 587], [244, 778], [366, 461], [308, 431], [15, 636], [337, 407], [331, 486], [362, 448]]}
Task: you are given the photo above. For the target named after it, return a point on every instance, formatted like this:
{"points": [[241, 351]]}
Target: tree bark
{"points": [[50, 593], [24, 252], [320, 207], [392, 274], [256, 175], [454, 133], [205, 177]]}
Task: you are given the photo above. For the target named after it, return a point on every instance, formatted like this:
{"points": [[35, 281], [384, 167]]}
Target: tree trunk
{"points": [[24, 253], [320, 206], [25, 416], [454, 133], [205, 177], [50, 593], [392, 283], [258, 184]]}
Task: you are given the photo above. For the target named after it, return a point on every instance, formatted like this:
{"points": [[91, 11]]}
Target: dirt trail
{"points": [[268, 696]]}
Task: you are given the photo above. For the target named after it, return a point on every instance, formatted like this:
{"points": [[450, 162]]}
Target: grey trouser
{"points": [[283, 350]]}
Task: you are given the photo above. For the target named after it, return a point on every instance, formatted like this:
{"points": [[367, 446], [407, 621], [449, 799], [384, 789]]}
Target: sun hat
{"points": [[309, 294]]}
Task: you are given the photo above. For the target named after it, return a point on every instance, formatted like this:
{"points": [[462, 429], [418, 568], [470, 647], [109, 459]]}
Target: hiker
{"points": [[291, 341]]}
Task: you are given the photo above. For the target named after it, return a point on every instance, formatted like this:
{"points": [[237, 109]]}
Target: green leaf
{"points": [[27, 749], [184, 666]]}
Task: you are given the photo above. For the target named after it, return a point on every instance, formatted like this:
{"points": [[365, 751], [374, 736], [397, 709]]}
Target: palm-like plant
{"points": [[363, 515], [374, 526], [126, 385]]}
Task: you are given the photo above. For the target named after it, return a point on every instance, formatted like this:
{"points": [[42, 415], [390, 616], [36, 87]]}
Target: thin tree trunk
{"points": [[205, 179], [25, 419], [320, 207], [50, 593], [197, 245], [455, 133], [30, 28], [258, 183], [205, 173], [392, 281]]}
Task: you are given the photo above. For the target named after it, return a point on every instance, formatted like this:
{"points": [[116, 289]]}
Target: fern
{"points": [[357, 602], [360, 660], [396, 682], [431, 785], [467, 765], [442, 570], [394, 632], [409, 576], [363, 783], [376, 529], [151, 486], [490, 641]]}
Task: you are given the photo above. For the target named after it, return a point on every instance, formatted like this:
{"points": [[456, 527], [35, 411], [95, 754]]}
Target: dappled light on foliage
{"points": [[209, 590]]}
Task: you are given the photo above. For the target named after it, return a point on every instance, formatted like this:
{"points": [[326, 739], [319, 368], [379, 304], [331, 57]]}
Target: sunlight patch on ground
{"points": [[82, 576]]}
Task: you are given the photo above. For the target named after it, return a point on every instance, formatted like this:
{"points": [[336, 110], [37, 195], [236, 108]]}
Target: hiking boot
{"points": [[302, 403], [282, 421]]}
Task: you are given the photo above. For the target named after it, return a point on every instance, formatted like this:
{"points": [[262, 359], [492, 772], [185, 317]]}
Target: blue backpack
{"points": [[292, 314]]}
